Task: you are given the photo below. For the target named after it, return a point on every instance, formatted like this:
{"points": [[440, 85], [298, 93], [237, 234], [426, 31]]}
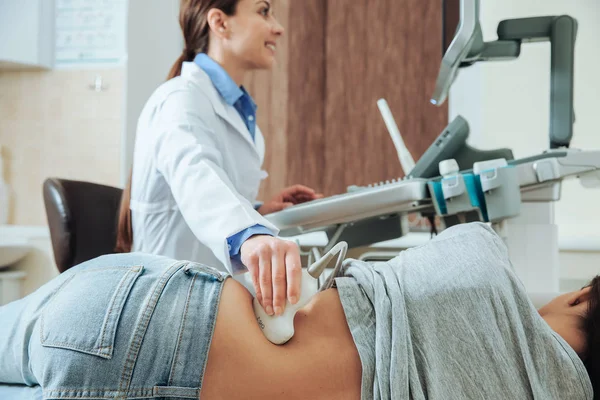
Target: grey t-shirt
{"points": [[450, 320]]}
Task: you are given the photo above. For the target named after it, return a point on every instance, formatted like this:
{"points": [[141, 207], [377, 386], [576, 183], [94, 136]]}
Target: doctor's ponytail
{"points": [[124, 227], [194, 25], [193, 19]]}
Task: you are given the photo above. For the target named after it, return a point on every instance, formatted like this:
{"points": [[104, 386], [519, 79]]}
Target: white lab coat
{"points": [[196, 173]]}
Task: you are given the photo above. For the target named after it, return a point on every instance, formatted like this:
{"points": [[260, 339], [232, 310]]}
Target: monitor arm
{"points": [[561, 32], [468, 47]]}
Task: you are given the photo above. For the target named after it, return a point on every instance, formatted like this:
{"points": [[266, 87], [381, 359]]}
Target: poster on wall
{"points": [[91, 33]]}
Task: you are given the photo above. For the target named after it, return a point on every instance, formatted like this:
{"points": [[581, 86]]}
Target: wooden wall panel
{"points": [[451, 17], [346, 95], [291, 99], [270, 92], [317, 107], [306, 96], [375, 49]]}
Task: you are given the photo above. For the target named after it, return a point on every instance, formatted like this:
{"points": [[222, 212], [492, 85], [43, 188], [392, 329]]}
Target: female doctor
{"points": [[198, 156]]}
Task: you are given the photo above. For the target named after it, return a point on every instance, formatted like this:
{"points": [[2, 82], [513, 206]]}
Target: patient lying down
{"points": [[447, 320]]}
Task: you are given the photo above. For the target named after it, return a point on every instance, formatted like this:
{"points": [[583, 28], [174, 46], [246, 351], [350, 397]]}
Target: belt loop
{"points": [[175, 391], [220, 276]]}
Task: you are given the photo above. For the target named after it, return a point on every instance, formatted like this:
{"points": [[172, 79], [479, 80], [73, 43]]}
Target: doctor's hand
{"points": [[288, 197], [275, 268]]}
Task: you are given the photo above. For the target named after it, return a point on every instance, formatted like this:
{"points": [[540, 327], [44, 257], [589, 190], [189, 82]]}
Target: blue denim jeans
{"points": [[120, 326]]}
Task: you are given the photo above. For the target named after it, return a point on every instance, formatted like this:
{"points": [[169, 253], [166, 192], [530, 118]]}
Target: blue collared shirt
{"points": [[233, 94], [240, 99]]}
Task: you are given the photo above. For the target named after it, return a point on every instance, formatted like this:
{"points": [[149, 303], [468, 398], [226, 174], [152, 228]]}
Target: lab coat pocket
{"points": [[88, 326]]}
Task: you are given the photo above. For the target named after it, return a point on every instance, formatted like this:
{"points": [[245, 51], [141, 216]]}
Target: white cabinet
{"points": [[27, 34]]}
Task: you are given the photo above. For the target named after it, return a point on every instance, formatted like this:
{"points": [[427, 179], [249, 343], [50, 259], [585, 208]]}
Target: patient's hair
{"points": [[194, 25], [591, 329]]}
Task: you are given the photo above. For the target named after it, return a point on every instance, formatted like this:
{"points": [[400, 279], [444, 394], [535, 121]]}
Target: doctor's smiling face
{"points": [[247, 38]]}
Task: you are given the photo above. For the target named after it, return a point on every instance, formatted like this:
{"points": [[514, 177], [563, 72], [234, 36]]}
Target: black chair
{"points": [[82, 217]]}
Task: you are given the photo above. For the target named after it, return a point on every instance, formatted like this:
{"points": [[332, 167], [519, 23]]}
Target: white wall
{"points": [[507, 103], [154, 42]]}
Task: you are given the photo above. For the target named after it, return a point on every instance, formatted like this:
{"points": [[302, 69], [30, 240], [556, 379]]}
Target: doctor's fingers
{"points": [[264, 277], [293, 269], [279, 282], [256, 284], [297, 190]]}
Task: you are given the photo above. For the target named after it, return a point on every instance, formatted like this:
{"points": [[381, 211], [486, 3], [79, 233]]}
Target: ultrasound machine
{"points": [[458, 183]]}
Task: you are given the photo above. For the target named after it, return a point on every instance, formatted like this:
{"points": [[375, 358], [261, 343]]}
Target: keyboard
{"points": [[360, 202]]}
